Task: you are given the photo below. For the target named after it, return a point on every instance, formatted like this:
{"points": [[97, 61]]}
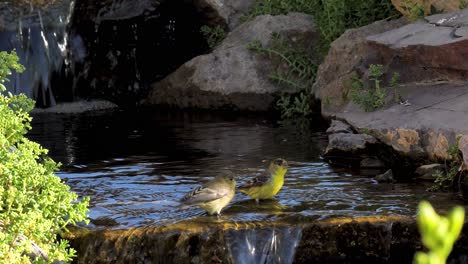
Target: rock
{"points": [[371, 163], [427, 51], [429, 7], [223, 12], [432, 65], [386, 177], [374, 239], [429, 171], [77, 107], [344, 57], [463, 146], [338, 127], [349, 147], [232, 76]]}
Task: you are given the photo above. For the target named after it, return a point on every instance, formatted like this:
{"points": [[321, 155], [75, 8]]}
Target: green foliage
{"points": [[438, 233], [213, 35], [370, 98], [445, 179], [414, 11], [463, 4], [293, 106], [280, 7], [34, 203], [298, 73], [394, 84], [333, 17]]}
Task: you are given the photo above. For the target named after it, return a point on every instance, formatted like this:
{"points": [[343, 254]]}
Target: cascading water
{"points": [[38, 33], [113, 49], [267, 246]]}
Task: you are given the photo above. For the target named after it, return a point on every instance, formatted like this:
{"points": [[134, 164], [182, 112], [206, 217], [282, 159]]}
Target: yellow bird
{"points": [[213, 195], [267, 184]]}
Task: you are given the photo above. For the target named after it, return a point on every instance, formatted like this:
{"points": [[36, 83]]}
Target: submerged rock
{"points": [[232, 76], [386, 177]]}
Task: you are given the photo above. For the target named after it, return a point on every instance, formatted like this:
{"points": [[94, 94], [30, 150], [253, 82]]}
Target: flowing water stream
{"points": [[136, 165]]}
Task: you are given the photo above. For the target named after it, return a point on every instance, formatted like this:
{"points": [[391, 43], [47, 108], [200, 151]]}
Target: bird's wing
{"points": [[203, 195], [256, 182]]}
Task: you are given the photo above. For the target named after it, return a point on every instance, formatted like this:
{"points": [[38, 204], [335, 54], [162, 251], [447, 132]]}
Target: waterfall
{"points": [[265, 245], [39, 35]]}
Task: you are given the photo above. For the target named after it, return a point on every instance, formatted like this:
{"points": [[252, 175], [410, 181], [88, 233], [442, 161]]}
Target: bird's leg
{"points": [[257, 201], [218, 215]]}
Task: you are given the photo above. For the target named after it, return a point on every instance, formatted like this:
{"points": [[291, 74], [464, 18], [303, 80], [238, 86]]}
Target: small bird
{"points": [[267, 184], [213, 195]]}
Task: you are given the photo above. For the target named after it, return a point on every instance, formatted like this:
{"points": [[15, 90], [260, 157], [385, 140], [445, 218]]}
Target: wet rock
{"points": [[337, 126], [429, 171], [77, 107], [224, 12], [352, 240], [231, 76], [371, 163], [386, 177], [348, 144]]}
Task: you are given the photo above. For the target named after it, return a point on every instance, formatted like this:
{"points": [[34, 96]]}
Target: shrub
{"points": [[213, 35], [35, 206], [298, 74]]}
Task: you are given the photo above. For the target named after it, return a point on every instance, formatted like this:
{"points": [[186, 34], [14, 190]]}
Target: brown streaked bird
{"points": [[213, 195]]}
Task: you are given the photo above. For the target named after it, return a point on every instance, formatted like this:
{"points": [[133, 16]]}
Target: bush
{"points": [[35, 206]]}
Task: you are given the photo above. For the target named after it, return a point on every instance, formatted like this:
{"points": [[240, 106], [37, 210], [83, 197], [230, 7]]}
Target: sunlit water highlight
{"points": [[136, 166]]}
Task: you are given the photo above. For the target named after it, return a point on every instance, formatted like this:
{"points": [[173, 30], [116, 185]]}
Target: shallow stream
{"points": [[136, 165]]}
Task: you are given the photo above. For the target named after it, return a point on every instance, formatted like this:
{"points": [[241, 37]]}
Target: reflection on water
{"points": [[135, 166]]}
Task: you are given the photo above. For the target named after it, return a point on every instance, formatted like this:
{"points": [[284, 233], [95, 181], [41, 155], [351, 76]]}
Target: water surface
{"points": [[136, 165]]}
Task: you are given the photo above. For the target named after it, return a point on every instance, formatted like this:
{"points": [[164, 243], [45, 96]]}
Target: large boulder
{"points": [[430, 57], [232, 76], [346, 53]]}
